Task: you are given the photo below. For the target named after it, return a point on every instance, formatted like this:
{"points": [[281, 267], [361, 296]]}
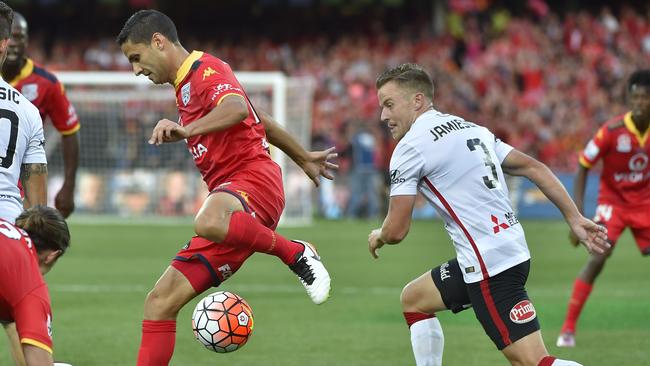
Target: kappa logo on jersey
{"points": [[623, 144], [638, 162], [522, 312], [197, 151], [185, 93], [225, 271], [395, 177], [498, 226], [208, 72], [30, 91]]}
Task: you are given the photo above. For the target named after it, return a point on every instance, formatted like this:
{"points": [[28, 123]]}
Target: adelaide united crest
{"points": [[185, 93]]}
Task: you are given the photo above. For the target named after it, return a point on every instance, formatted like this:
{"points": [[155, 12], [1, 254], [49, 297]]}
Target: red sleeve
{"points": [[595, 148], [61, 111], [216, 83], [33, 317]]}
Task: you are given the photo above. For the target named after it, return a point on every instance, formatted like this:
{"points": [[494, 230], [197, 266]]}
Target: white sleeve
{"points": [[35, 152], [501, 149], [406, 170]]}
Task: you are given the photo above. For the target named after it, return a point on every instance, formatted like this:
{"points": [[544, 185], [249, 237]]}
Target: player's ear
{"points": [[52, 256], [157, 41], [418, 101]]}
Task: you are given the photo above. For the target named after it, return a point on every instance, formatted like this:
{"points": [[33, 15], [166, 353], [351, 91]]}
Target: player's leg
{"points": [[225, 218], [14, 344], [172, 291], [584, 283], [434, 291], [507, 315]]}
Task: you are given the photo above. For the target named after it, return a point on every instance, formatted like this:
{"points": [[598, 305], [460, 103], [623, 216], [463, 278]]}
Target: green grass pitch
{"points": [[98, 289]]}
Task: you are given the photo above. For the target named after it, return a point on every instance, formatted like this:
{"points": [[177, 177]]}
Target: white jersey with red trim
{"points": [[456, 165], [21, 142]]}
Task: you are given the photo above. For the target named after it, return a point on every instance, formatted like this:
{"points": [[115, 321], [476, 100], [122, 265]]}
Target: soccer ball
{"points": [[222, 322]]}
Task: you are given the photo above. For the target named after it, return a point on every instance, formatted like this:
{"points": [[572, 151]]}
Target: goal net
{"points": [[121, 175]]}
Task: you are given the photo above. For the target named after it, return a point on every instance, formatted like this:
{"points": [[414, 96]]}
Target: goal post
{"points": [[121, 176]]}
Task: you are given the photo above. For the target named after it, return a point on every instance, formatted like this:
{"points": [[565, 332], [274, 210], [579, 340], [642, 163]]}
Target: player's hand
{"points": [[64, 200], [375, 242], [573, 239], [591, 235], [318, 165], [167, 131]]}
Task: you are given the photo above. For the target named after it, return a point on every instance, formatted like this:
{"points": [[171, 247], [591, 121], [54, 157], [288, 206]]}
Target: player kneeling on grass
{"points": [[29, 250], [459, 168], [227, 139]]}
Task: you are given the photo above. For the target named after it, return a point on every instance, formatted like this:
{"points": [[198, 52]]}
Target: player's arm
{"points": [[579, 184], [396, 224], [36, 356], [64, 200], [314, 163], [14, 344], [593, 236], [230, 110], [34, 180]]}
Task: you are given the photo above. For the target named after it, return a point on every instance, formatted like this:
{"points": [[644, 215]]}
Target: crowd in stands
{"points": [[543, 82]]}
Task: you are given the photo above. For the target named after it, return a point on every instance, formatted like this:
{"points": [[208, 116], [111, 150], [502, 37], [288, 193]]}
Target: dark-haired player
{"points": [[43, 89], [623, 145], [28, 251], [226, 137]]}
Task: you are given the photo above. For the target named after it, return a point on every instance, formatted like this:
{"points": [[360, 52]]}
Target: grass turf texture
{"points": [[98, 289]]}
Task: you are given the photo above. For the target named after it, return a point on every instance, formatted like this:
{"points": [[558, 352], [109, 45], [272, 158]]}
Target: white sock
{"points": [[559, 362], [428, 342]]}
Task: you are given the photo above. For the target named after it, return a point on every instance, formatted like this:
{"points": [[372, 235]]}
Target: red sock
{"points": [[244, 230], [412, 318], [547, 361], [581, 291], [157, 346]]}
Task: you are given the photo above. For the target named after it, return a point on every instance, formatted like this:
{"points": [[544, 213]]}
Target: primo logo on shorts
{"points": [[522, 312]]}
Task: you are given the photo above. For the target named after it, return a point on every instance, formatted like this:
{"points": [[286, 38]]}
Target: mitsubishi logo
{"points": [[497, 227]]}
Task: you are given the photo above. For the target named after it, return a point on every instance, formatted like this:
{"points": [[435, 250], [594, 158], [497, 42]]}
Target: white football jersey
{"points": [[21, 142], [457, 166]]}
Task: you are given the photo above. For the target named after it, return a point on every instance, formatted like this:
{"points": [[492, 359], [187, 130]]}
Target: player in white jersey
{"points": [[458, 166], [22, 156]]}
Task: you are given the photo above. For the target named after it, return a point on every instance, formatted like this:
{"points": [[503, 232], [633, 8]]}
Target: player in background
{"points": [[22, 157], [227, 139], [624, 195], [459, 168], [28, 251], [44, 90]]}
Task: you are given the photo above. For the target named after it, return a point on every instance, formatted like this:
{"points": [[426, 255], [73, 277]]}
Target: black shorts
{"points": [[500, 302]]}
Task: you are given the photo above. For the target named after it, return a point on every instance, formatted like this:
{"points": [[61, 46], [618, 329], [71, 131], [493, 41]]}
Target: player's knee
{"points": [[159, 306], [409, 298]]}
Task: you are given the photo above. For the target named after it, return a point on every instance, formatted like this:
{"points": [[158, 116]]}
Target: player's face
{"points": [[640, 103], [146, 60], [17, 43], [398, 108]]}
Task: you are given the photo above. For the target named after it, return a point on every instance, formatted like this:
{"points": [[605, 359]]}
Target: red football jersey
{"points": [[625, 179], [24, 297], [45, 91], [201, 84]]}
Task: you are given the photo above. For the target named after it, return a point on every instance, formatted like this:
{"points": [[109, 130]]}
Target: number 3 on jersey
{"points": [[490, 182]]}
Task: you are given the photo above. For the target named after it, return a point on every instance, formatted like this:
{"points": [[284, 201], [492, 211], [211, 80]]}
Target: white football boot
{"points": [[566, 340], [312, 273]]}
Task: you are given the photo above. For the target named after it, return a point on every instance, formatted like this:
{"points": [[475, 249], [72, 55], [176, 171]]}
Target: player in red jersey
{"points": [[226, 137], [29, 250], [624, 196], [43, 89]]}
